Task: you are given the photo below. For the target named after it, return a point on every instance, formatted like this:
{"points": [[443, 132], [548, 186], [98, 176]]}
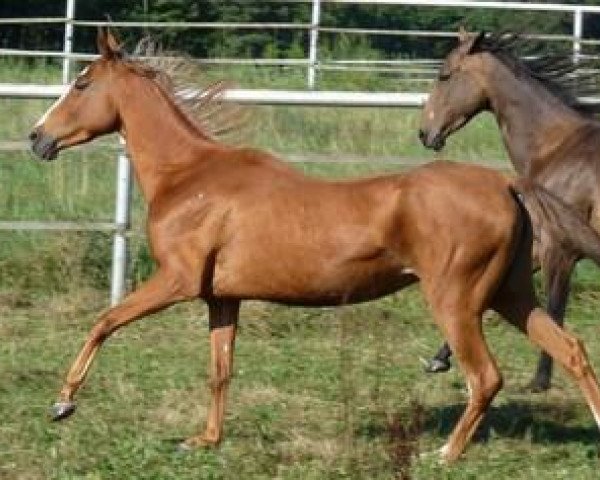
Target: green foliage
{"points": [[282, 43]]}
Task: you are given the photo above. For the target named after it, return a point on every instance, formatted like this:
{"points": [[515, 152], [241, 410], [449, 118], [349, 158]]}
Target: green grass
{"points": [[314, 395], [318, 393]]}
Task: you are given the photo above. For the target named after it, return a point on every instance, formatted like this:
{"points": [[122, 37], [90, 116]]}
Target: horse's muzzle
{"points": [[44, 146], [436, 142]]}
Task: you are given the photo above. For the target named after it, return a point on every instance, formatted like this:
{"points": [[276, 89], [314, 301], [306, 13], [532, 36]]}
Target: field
{"points": [[317, 393]]}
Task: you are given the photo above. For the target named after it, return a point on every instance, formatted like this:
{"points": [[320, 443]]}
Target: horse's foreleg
{"points": [[465, 338], [557, 279], [223, 318], [154, 295]]}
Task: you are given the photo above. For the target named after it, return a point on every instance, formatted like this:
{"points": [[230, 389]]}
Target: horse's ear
{"points": [[108, 45], [469, 42]]}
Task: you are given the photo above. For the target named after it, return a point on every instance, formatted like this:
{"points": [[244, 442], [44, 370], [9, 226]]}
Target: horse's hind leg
{"points": [[440, 361], [517, 303], [154, 295], [564, 347], [557, 278], [223, 319]]}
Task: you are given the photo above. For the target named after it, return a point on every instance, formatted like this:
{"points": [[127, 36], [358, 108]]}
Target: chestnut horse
{"points": [[550, 137], [228, 224]]}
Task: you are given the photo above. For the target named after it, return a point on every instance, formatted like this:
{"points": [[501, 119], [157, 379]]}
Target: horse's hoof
{"points": [[195, 443], [435, 365], [537, 386], [184, 447], [62, 410]]}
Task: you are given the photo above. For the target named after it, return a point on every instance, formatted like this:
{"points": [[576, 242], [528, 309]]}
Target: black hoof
{"points": [[435, 365], [538, 386], [62, 410]]}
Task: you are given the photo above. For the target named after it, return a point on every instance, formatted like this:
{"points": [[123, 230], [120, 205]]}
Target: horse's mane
{"points": [[199, 101], [555, 70]]}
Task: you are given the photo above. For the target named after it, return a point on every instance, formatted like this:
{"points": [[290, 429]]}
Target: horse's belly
{"points": [[313, 283]]}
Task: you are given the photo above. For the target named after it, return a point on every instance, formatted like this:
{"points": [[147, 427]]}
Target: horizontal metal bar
{"points": [[326, 98], [88, 57], [535, 6], [206, 25], [25, 20], [270, 97], [259, 97], [305, 61], [438, 34], [15, 52], [426, 74], [57, 225], [253, 61], [379, 31], [10, 90]]}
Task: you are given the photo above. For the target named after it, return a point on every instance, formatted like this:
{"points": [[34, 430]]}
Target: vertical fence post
{"points": [[312, 49], [122, 220], [68, 41], [577, 33]]}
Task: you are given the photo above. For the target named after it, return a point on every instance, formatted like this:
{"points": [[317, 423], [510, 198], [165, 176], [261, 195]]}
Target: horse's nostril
{"points": [[422, 134], [33, 135]]}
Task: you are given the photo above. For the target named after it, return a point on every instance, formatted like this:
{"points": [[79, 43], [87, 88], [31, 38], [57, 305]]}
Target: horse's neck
{"points": [[158, 136], [533, 122]]}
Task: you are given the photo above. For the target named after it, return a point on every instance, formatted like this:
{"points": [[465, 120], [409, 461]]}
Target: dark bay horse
{"points": [[551, 140], [228, 224]]}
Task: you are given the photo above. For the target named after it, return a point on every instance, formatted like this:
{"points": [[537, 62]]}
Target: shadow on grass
{"points": [[538, 422]]}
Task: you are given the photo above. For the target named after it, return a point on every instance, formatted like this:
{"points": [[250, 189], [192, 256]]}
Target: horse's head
{"points": [[86, 110], [457, 95]]}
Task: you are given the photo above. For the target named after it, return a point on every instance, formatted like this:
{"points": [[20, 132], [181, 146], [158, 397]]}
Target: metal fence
{"points": [[261, 97], [313, 62]]}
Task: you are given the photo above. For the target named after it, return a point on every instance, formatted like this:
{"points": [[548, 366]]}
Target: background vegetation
{"points": [[318, 393], [282, 43]]}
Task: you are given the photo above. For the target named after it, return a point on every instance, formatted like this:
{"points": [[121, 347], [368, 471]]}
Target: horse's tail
{"points": [[551, 216]]}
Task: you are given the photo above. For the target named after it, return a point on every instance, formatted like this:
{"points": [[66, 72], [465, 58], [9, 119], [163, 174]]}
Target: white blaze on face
{"points": [[431, 115], [45, 116]]}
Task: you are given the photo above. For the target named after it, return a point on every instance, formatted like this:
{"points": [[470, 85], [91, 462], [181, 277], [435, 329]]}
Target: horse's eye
{"points": [[81, 83], [443, 76]]}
